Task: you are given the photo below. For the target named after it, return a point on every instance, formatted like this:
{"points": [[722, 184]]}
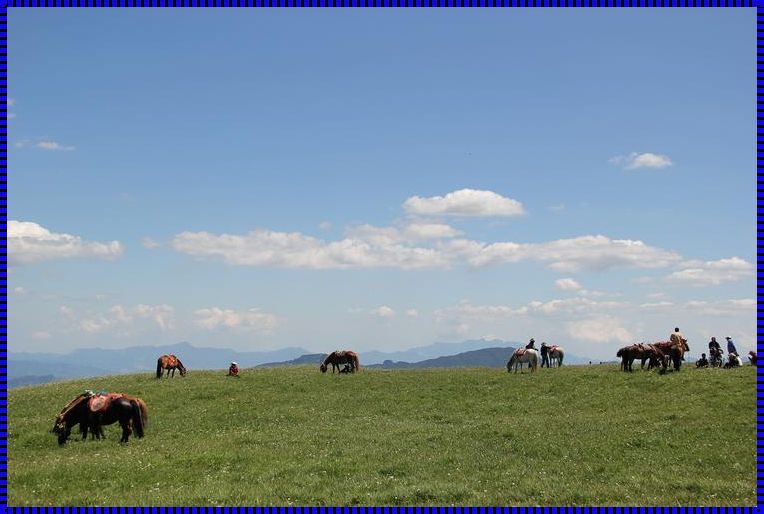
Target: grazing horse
{"points": [[673, 351], [556, 353], [91, 412], [170, 362], [521, 356], [338, 358]]}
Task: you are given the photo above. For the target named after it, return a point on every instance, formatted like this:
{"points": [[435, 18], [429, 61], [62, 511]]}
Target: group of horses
{"points": [[530, 356], [658, 355]]}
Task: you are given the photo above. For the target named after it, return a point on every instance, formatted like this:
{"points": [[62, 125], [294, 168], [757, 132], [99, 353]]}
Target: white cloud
{"points": [[11, 102], [53, 146], [465, 202], [41, 335], [557, 208], [20, 290], [383, 312], [592, 253], [377, 248], [567, 284], [698, 273], [412, 313], [325, 225], [43, 144], [122, 320], [148, 242], [417, 231], [251, 320], [641, 160], [29, 242], [599, 330]]}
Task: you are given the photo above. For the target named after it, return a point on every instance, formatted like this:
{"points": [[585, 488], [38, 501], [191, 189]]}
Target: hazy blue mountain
{"points": [[485, 357], [310, 358], [432, 351], [91, 362]]}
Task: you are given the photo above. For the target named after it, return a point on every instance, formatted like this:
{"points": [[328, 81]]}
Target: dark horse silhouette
{"points": [[170, 362], [338, 358], [643, 352], [131, 413], [673, 352]]}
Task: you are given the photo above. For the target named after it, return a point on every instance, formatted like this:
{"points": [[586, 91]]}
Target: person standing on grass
{"points": [[545, 354], [730, 346], [233, 370]]}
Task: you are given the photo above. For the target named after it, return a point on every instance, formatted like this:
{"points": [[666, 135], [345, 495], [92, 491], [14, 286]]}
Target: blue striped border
{"points": [[384, 3], [369, 3]]}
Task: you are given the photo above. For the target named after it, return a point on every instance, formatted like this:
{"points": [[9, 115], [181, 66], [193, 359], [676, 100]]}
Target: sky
{"points": [[380, 179]]}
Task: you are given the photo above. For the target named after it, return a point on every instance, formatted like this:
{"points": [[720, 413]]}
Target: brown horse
{"points": [[170, 363], [673, 351], [92, 411], [338, 358], [641, 351]]}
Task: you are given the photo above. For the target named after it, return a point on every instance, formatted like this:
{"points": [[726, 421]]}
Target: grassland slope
{"points": [[574, 435]]}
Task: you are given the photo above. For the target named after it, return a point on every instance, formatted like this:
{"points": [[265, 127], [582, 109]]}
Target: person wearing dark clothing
{"points": [[702, 362], [233, 370], [531, 344], [544, 355], [730, 346]]}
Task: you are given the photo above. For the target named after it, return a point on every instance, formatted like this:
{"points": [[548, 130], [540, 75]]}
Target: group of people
{"points": [[544, 350], [715, 353]]}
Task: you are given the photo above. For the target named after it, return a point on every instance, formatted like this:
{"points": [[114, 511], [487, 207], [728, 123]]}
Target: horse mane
{"points": [[71, 405]]}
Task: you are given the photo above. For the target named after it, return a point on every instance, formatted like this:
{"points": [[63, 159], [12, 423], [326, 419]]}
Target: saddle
{"points": [[520, 351], [171, 361], [101, 402]]}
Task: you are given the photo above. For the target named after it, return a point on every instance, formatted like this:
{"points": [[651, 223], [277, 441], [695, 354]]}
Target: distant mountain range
{"points": [[26, 368]]}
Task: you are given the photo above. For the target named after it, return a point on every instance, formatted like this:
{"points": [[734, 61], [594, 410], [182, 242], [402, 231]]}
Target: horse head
{"points": [[181, 368], [323, 367]]}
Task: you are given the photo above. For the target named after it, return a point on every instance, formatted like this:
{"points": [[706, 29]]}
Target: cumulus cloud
{"points": [[29, 242], [367, 246], [465, 202], [699, 273], [124, 319], [590, 253], [251, 320], [565, 307], [419, 231], [637, 160], [374, 249], [567, 284], [412, 313], [383, 312], [599, 330]]}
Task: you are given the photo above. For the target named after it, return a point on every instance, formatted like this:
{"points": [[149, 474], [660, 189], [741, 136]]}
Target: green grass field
{"points": [[575, 435]]}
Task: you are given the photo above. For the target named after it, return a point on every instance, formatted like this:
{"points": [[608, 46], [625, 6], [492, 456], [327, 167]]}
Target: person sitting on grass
{"points": [[702, 362], [233, 370]]}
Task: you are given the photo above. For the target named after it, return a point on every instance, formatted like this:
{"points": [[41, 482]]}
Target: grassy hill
{"points": [[292, 436]]}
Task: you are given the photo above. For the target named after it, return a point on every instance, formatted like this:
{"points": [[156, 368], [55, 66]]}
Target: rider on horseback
{"points": [[715, 352], [531, 344]]}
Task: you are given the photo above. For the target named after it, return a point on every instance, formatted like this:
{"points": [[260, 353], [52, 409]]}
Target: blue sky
{"points": [[380, 179]]}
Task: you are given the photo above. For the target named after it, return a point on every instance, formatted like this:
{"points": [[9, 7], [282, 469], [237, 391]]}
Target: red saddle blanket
{"points": [[520, 351], [101, 402]]}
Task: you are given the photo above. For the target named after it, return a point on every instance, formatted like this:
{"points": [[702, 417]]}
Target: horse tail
{"points": [[159, 367], [137, 418], [510, 362], [562, 356], [535, 361]]}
